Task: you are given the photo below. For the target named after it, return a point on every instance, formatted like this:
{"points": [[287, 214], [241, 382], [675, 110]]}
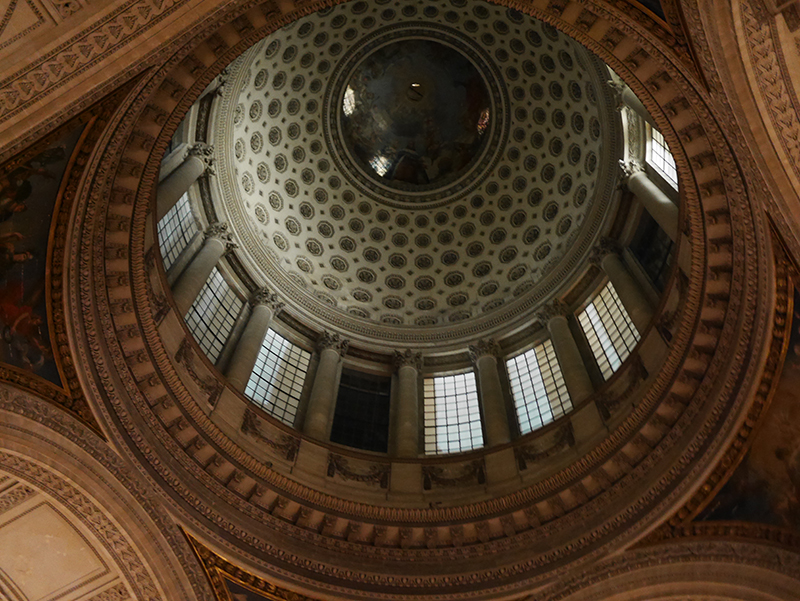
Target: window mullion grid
{"points": [[452, 416], [276, 382], [175, 230], [609, 330], [213, 313], [540, 394]]}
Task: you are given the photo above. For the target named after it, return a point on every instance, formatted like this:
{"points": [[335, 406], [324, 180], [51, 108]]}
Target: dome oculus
{"points": [[415, 114]]}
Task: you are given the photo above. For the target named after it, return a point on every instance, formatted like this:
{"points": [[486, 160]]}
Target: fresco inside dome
{"points": [[414, 114]]}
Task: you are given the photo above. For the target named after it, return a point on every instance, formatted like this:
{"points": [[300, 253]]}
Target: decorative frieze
{"points": [[378, 473], [287, 446], [473, 473]]}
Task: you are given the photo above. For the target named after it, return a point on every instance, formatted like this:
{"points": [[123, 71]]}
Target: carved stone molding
{"points": [[219, 231], [122, 513], [562, 440], [629, 168], [378, 473], [287, 446], [470, 474], [265, 296], [605, 246], [609, 404], [755, 566], [553, 309], [209, 385]]}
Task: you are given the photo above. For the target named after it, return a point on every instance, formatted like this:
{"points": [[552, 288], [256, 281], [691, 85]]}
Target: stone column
{"points": [[573, 369], [322, 402], [265, 305], [495, 417], [658, 204], [198, 160], [626, 97], [217, 243], [627, 287], [404, 429]]}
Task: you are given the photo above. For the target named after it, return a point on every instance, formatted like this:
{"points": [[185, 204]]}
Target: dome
{"points": [[375, 291], [399, 299], [417, 177]]}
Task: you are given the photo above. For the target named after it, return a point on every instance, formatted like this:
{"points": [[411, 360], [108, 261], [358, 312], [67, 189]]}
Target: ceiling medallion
{"points": [[390, 123]]}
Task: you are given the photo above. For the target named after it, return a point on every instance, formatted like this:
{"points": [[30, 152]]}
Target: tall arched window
{"points": [[213, 313], [609, 330], [276, 383], [452, 415], [660, 158], [540, 394], [175, 230]]}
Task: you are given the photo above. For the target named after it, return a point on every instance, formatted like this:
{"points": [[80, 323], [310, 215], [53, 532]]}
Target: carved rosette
{"points": [[334, 342], [407, 358]]}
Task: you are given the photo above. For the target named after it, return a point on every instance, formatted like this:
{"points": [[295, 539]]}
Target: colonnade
{"points": [[486, 356], [316, 416]]}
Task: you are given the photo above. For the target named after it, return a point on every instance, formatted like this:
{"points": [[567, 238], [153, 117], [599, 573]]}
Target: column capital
{"points": [[407, 358], [222, 79], [630, 168], [265, 296], [219, 231], [204, 152], [605, 247], [483, 348], [617, 88], [333, 341], [553, 309]]}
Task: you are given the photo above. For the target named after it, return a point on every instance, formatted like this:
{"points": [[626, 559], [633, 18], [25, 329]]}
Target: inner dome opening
{"points": [[414, 114]]}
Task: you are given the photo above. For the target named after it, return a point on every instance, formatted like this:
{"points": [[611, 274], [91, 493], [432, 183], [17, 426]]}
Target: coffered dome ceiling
{"points": [[414, 170]]}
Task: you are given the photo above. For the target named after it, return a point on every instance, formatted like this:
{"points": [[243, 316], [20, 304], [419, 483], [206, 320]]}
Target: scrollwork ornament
{"points": [[629, 169], [219, 231], [617, 89], [605, 246], [203, 151]]}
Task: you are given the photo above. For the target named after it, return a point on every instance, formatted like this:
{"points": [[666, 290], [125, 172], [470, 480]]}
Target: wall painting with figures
{"points": [[765, 487], [30, 189]]}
